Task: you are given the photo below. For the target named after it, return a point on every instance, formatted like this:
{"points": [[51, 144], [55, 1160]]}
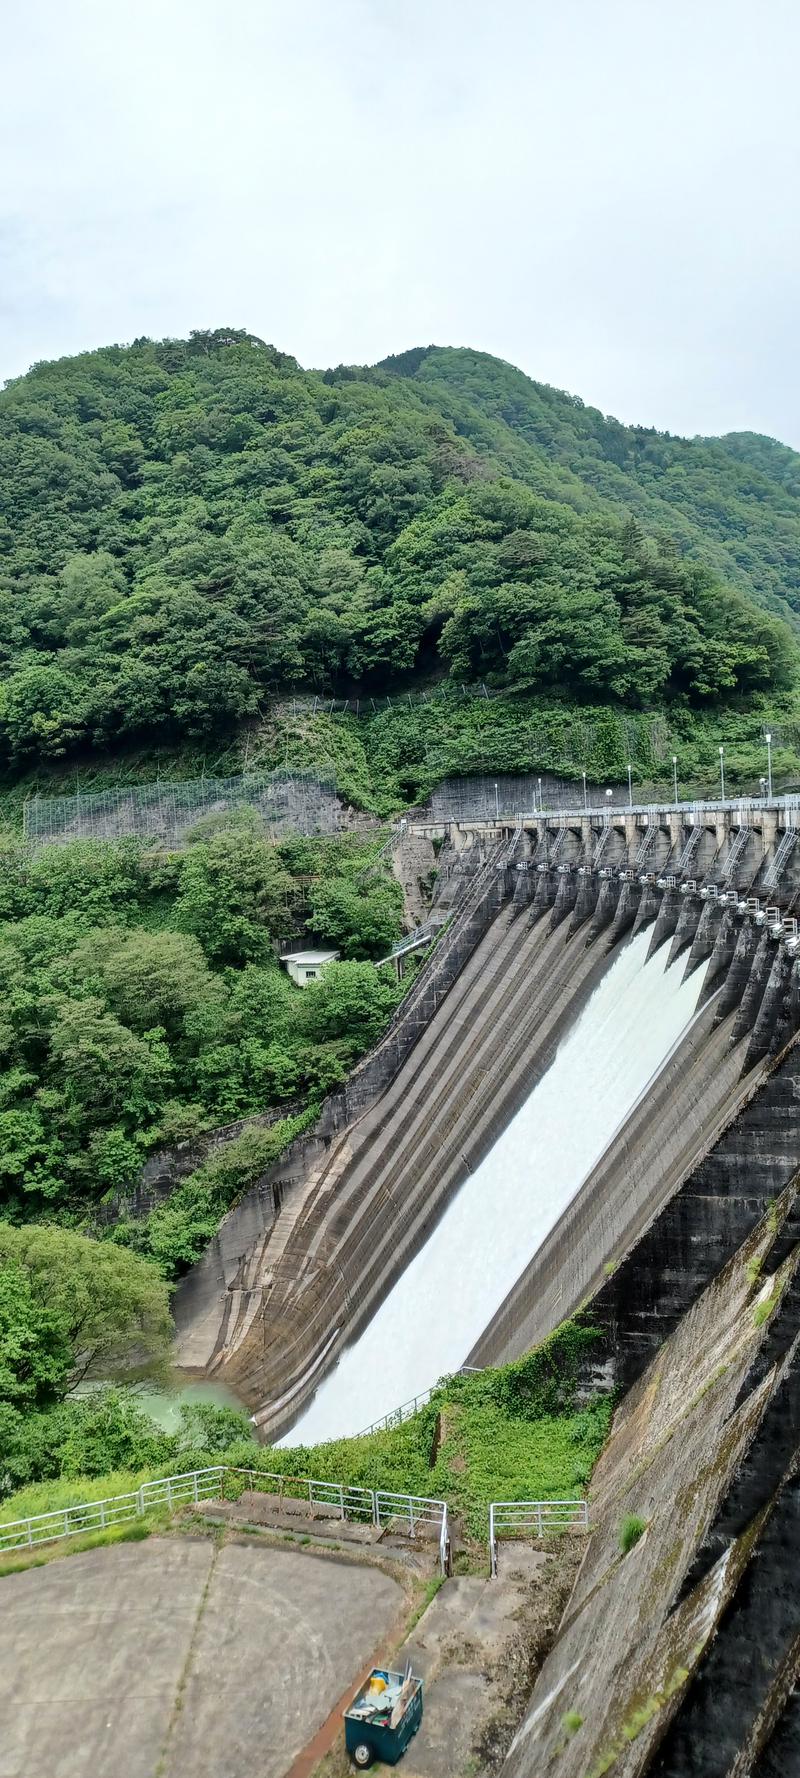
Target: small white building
{"points": [[307, 966]]}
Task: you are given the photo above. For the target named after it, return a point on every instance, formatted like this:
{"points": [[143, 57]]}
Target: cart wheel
{"points": [[363, 1756]]}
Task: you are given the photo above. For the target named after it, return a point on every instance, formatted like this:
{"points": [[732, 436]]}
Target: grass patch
{"points": [[427, 1599], [134, 1532], [53, 1496], [631, 1529]]}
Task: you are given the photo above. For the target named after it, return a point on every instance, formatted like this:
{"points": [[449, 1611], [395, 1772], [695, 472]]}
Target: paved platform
{"points": [[177, 1656]]}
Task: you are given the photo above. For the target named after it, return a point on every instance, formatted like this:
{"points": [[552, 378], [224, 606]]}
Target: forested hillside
{"points": [[734, 501], [191, 526], [202, 546]]}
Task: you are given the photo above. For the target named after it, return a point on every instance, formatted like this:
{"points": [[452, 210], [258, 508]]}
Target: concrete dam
{"points": [[612, 989]]}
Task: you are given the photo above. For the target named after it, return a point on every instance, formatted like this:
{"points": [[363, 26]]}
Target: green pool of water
{"points": [[164, 1403]]}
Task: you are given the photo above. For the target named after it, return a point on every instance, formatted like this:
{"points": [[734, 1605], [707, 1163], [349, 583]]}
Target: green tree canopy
{"points": [[72, 1308]]}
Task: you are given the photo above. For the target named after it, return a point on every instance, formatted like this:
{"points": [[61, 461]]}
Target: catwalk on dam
{"points": [[440, 1305]]}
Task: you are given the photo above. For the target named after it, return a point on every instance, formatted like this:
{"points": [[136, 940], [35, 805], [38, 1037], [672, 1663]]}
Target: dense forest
{"points": [[190, 526], [143, 1003]]}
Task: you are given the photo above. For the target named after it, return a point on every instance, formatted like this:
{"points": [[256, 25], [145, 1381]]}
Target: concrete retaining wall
{"points": [[679, 1656]]}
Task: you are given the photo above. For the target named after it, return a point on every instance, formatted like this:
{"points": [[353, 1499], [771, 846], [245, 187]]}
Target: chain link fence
{"points": [[169, 814]]}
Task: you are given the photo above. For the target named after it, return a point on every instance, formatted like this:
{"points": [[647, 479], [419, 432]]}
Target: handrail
{"points": [[515, 1516], [407, 1409], [97, 1515], [380, 1507], [618, 810]]}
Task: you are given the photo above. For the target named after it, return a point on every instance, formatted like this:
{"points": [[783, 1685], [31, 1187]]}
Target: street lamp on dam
{"points": [[768, 739], [675, 774], [722, 771]]}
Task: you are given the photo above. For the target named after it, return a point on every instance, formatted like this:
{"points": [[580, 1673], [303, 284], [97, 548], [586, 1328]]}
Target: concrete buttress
{"points": [[566, 897], [755, 988], [666, 920]]}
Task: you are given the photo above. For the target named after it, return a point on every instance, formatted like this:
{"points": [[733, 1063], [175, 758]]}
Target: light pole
{"points": [[496, 804], [763, 783], [630, 787], [609, 794], [541, 804], [585, 804], [768, 739], [675, 774], [722, 770]]}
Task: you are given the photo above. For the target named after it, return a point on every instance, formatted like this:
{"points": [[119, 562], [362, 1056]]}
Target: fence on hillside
{"points": [[412, 1513], [166, 814], [117, 1509]]}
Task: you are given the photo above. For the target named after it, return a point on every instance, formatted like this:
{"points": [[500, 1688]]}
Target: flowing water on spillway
{"points": [[490, 1231]]}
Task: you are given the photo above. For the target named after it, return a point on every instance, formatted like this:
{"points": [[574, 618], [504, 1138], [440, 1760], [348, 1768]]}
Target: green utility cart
{"points": [[383, 1717]]}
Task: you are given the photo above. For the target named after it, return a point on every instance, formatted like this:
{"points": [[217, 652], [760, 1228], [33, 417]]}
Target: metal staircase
{"points": [[737, 850], [689, 850], [601, 845], [646, 843], [774, 871]]}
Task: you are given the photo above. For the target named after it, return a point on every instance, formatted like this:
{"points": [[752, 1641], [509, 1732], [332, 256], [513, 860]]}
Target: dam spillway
{"points": [[310, 1254], [490, 1230]]}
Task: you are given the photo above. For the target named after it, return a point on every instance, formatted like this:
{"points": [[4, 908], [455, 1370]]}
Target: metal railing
{"points": [[577, 812], [412, 941], [407, 1409], [774, 871], [414, 1513], [514, 1518], [380, 1507], [117, 1509], [735, 853], [644, 847]]}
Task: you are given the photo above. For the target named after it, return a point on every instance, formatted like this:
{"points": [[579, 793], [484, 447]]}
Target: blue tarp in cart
{"points": [[384, 1716]]}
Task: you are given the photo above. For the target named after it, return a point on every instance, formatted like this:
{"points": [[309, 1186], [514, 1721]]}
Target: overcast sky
{"points": [[604, 192]]}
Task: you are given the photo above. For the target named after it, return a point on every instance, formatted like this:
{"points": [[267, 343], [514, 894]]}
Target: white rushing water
{"points": [[444, 1299]]}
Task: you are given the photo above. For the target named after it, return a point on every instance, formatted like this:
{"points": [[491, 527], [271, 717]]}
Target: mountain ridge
{"points": [[190, 526]]}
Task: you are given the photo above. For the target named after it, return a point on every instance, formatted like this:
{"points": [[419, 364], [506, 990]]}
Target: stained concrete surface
{"points": [[171, 1655], [466, 1649]]}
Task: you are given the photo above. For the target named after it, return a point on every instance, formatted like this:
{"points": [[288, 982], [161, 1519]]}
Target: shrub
{"points": [[631, 1529]]}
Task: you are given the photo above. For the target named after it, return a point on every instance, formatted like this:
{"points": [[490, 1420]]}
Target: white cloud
{"points": [[602, 192]]}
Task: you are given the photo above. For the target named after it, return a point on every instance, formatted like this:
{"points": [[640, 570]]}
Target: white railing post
{"points": [[492, 1548], [341, 1500], [196, 1495]]}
